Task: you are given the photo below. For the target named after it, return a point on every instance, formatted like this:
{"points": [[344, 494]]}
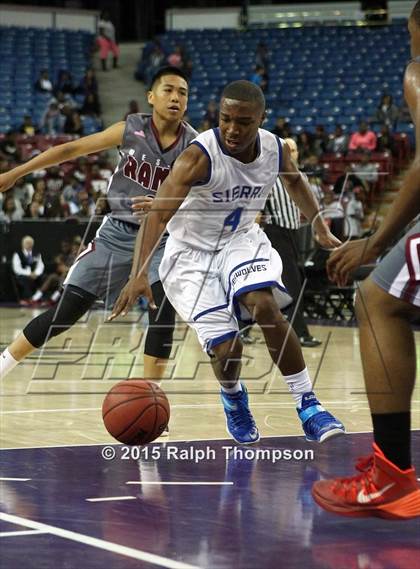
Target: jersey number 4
{"points": [[234, 218]]}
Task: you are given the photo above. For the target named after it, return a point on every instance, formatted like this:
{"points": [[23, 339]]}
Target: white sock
{"points": [[232, 390], [37, 295], [7, 363], [55, 295], [298, 384]]}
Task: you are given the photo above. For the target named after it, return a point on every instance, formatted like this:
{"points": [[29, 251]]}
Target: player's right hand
{"points": [[135, 287], [7, 180], [346, 259], [140, 205]]}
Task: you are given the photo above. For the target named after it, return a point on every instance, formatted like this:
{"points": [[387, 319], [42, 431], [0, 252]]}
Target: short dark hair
{"points": [[244, 91], [168, 70], [415, 14]]}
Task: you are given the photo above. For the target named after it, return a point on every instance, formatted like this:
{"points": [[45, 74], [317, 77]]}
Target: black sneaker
{"points": [[309, 342]]}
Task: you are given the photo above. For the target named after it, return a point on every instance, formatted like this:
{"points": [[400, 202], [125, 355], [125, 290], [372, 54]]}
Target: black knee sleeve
{"points": [[161, 325], [73, 303]]}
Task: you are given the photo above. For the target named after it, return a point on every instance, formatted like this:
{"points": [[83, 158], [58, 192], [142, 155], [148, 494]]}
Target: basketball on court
{"points": [[135, 412]]}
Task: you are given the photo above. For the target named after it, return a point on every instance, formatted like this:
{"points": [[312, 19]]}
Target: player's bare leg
{"points": [[286, 352], [389, 488], [154, 368], [226, 362]]}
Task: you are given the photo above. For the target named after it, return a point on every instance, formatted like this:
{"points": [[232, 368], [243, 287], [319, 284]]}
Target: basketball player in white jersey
{"points": [[386, 304], [148, 145], [219, 266]]}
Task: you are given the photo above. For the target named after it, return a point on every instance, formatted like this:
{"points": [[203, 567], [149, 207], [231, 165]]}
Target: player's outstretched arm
{"points": [[298, 189], [405, 208], [108, 138], [189, 168]]}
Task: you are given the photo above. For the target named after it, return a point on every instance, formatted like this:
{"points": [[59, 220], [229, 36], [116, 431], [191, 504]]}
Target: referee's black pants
{"points": [[285, 242]]}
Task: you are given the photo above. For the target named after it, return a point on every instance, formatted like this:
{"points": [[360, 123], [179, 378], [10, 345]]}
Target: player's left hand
{"points": [[135, 287], [140, 205], [349, 257]]}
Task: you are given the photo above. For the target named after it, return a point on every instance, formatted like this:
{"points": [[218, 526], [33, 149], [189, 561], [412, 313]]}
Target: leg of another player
{"points": [[154, 368], [286, 352], [387, 487], [159, 338], [226, 362], [389, 364], [73, 304]]}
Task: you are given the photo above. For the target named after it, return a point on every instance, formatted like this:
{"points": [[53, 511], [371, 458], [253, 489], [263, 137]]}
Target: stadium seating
{"points": [[318, 75], [23, 53]]}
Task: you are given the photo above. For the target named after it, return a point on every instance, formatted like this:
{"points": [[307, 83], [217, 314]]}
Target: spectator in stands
{"points": [[9, 148], [81, 171], [105, 167], [86, 206], [23, 192], [203, 126], [364, 139], [305, 146], [133, 108], [320, 140], [53, 282], [43, 83], [11, 209], [260, 78], [54, 180], [385, 141], [64, 83], [156, 60], [33, 211], [28, 267], [101, 206], [212, 114], [73, 124], [404, 113], [333, 214], [64, 100], [386, 113], [97, 182], [347, 182], [262, 55], [52, 121], [106, 40], [144, 61], [91, 106], [28, 126], [39, 198], [40, 187], [88, 84], [56, 207], [338, 142], [176, 57], [71, 190], [77, 246], [354, 214], [366, 170], [282, 128]]}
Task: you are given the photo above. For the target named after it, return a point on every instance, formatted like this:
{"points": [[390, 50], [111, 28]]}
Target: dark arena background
{"points": [[70, 495]]}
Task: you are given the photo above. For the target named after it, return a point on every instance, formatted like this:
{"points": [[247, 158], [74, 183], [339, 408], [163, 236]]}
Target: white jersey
{"points": [[227, 202]]}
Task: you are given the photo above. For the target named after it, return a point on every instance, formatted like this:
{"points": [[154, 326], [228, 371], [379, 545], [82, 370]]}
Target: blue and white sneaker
{"points": [[240, 423], [317, 423]]}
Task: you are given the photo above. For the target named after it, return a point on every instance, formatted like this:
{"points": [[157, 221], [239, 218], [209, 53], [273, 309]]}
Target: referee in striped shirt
{"points": [[282, 218]]}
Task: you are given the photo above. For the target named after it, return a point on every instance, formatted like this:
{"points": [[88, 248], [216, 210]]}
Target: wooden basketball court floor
{"points": [[53, 473]]}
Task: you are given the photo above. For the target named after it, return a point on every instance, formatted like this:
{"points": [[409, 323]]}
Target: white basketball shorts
{"points": [[205, 288]]}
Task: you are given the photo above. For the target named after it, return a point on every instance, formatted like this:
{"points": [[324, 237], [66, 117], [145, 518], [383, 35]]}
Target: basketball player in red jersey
{"points": [[386, 485]]}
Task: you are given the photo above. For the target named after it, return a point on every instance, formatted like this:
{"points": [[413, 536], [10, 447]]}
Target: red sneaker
{"points": [[381, 490]]}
